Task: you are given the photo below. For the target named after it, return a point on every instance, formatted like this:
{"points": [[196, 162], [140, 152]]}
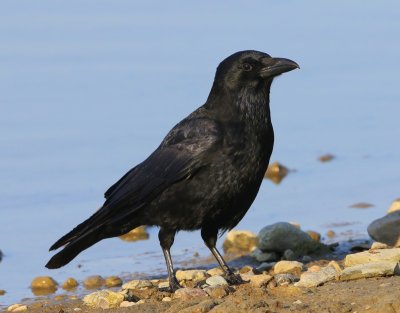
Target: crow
{"points": [[204, 175]]}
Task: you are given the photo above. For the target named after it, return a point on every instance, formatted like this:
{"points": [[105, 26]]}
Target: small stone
{"points": [[292, 267], [126, 304], [163, 285], [317, 278], [378, 255], [166, 299], [239, 241], [261, 256], [260, 280], [112, 281], [276, 172], [379, 245], [326, 157], [285, 279], [395, 206], [386, 229], [215, 271], [43, 285], [2, 292], [77, 309], [59, 297], [246, 269], [314, 235], [93, 282], [189, 293], [69, 284], [314, 268], [137, 284], [194, 275], [330, 233], [216, 281], [266, 266], [283, 236], [104, 299], [289, 255], [372, 269], [17, 307], [336, 266], [361, 205], [217, 292], [138, 233]]}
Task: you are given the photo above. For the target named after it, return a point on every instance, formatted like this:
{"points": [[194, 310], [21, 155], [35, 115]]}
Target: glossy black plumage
{"points": [[206, 172]]}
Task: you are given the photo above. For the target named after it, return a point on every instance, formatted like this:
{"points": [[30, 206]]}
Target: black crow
{"points": [[204, 175]]}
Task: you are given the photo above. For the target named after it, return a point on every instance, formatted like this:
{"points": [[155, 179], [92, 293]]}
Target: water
{"points": [[89, 89]]}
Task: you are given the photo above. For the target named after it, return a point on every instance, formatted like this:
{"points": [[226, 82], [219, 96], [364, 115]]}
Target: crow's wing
{"points": [[182, 153]]}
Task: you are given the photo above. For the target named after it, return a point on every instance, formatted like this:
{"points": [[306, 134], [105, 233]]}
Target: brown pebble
{"points": [[276, 172], [326, 157], [245, 269], [59, 297], [330, 233], [217, 292], [314, 268], [361, 205], [70, 283], [314, 235], [43, 285], [93, 282], [2, 292], [113, 281]]}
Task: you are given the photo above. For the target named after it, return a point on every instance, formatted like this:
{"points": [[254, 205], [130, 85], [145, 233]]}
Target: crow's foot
{"points": [[234, 279]]}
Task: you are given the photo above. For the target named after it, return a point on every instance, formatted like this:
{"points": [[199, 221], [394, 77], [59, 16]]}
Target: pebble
{"points": [[361, 205], [379, 245], [372, 269], [314, 235], [217, 291], [326, 157], [126, 304], [43, 285], [69, 284], [386, 229], [282, 236], [330, 233], [216, 281], [189, 293], [138, 284], [246, 269], [2, 292], [93, 282], [391, 255], [163, 285], [395, 206], [264, 256], [215, 271], [276, 172], [292, 267], [17, 307], [265, 266], [202, 307], [285, 279], [112, 281], [195, 275], [104, 299], [138, 233], [166, 299], [313, 278], [238, 241], [260, 280]]}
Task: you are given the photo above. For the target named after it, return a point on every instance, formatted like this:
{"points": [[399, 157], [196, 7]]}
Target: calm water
{"points": [[89, 89]]}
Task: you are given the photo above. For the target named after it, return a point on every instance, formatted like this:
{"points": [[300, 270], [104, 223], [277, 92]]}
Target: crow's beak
{"points": [[276, 66]]}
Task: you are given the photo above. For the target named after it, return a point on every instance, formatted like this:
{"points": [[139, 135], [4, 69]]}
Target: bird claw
{"points": [[234, 279]]}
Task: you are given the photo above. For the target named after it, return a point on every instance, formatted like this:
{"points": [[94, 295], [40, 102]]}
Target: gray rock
{"points": [[289, 255], [216, 281], [314, 279], [285, 279], [104, 299], [386, 229], [261, 256], [378, 255], [372, 269], [282, 236]]}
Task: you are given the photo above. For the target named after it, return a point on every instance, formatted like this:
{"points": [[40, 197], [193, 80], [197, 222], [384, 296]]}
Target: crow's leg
{"points": [[209, 236], [166, 237]]}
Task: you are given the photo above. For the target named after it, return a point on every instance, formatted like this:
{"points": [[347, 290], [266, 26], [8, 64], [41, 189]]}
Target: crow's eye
{"points": [[247, 67]]}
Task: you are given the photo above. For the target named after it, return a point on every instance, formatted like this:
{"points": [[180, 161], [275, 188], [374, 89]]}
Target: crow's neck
{"points": [[248, 105]]}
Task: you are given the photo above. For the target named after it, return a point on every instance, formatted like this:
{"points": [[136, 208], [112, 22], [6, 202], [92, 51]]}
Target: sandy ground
{"points": [[378, 295]]}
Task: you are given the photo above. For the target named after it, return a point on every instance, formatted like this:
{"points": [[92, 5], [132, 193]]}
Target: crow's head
{"points": [[250, 69]]}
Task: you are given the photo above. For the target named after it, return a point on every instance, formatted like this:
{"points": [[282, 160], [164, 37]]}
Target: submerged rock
{"points": [[372, 269], [283, 236], [43, 285], [395, 206], [2, 292], [377, 255], [70, 283], [386, 229], [138, 233], [112, 281], [276, 172], [1, 255], [93, 282], [104, 299], [239, 241]]}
